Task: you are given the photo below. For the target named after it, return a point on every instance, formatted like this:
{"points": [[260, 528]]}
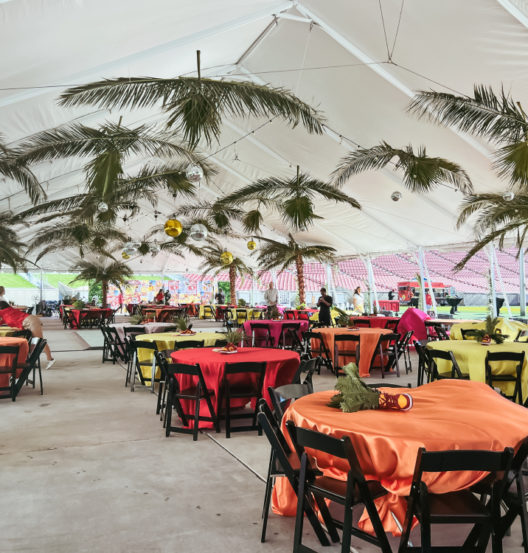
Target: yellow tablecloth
{"points": [[507, 326], [248, 310], [167, 340], [471, 356], [333, 313], [7, 330]]}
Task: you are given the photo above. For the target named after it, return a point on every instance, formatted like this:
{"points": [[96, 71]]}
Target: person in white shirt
{"points": [[358, 300], [271, 296]]}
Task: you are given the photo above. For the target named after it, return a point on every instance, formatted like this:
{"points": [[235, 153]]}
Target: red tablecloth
{"points": [[78, 314], [369, 338], [446, 414], [299, 314], [6, 360], [280, 368], [275, 328], [389, 305], [377, 322]]}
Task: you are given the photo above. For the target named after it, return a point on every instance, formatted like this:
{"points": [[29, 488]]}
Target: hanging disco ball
{"points": [[124, 255], [173, 228], [252, 245], [226, 258], [194, 173], [508, 196], [129, 250], [198, 232], [396, 195], [135, 245], [102, 207]]}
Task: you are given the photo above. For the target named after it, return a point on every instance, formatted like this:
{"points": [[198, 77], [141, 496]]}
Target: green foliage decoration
{"points": [[353, 394]]}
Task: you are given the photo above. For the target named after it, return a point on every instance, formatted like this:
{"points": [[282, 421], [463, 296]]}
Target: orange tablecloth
{"points": [[368, 340], [280, 368], [6, 360], [447, 414]]}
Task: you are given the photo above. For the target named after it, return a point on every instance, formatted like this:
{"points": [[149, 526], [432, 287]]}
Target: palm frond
{"points": [[196, 106], [421, 173], [114, 272], [496, 117], [512, 161], [13, 167]]}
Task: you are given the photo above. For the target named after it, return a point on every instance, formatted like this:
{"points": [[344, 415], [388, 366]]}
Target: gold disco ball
{"points": [[252, 245], [124, 255], [226, 258], [173, 228]]}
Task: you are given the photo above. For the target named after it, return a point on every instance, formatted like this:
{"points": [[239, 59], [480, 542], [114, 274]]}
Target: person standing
{"points": [[391, 294], [18, 319], [271, 297], [358, 301], [219, 297], [160, 296], [324, 303], [2, 294], [168, 296]]}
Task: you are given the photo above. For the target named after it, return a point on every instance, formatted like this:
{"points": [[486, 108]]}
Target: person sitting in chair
{"points": [[18, 319]]}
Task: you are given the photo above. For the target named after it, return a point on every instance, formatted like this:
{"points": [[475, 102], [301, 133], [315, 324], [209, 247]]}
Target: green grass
{"points": [[53, 279], [149, 277], [9, 280], [473, 311]]}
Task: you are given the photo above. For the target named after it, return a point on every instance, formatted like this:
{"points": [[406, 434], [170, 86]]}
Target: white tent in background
{"points": [[332, 54]]}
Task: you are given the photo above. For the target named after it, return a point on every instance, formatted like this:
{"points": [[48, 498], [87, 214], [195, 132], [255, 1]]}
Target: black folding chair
{"points": [[314, 346], [349, 351], [289, 337], [9, 369], [361, 323], [433, 355], [188, 344], [32, 365], [241, 381], [467, 334], [423, 364], [355, 490], [284, 462], [261, 335], [388, 354], [282, 396], [137, 366], [403, 350], [516, 359], [196, 391], [461, 507]]}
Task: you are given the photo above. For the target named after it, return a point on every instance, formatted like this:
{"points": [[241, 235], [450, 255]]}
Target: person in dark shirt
{"points": [[391, 295], [324, 303]]}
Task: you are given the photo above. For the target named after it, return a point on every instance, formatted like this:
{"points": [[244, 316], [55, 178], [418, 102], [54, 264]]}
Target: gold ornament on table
{"points": [[125, 255], [173, 228], [226, 258], [252, 245]]}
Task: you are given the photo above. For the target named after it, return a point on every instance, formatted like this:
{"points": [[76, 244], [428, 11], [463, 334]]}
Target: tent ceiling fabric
{"points": [[453, 43]]}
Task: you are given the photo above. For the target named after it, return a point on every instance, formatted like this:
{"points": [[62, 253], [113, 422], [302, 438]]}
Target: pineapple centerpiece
{"points": [[183, 326], [233, 338], [490, 332]]}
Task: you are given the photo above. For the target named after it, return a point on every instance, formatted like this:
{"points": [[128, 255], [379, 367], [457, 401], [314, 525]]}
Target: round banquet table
{"points": [[79, 314], [6, 360], [508, 327], [168, 340], [149, 328], [446, 414], [471, 357], [281, 365], [276, 328], [368, 341]]}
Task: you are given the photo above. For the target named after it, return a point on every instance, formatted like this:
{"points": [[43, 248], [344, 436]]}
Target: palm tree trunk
{"points": [[300, 277], [232, 283], [104, 289]]}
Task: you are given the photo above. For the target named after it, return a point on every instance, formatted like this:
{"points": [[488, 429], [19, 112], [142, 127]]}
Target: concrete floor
{"points": [[86, 467]]}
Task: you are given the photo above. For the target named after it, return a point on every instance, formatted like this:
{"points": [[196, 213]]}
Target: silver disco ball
{"points": [[198, 232], [396, 195], [135, 245], [102, 207], [508, 196], [129, 250], [194, 173]]}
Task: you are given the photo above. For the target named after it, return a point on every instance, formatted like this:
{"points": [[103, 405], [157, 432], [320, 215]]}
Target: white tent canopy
{"points": [[331, 54]]}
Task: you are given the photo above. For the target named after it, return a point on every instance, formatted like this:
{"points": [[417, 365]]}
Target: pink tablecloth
{"points": [[147, 328], [276, 328], [414, 319]]}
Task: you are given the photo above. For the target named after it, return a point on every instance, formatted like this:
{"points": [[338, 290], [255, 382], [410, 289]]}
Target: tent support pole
{"points": [[493, 307], [522, 286], [430, 283], [422, 283], [501, 282]]}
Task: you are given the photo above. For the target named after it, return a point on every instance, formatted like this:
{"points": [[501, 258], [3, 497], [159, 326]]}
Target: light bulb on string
{"points": [[508, 196], [396, 196], [194, 173]]}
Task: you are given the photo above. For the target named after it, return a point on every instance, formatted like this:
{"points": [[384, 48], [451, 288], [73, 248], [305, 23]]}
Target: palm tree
{"points": [[292, 198], [109, 272], [10, 246], [108, 147], [96, 238], [498, 218], [12, 167], [277, 254], [496, 117], [214, 264], [421, 173], [195, 106]]}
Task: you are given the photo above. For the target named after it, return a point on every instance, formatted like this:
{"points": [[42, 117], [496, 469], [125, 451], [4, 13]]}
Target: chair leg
{"points": [[160, 393], [267, 499], [196, 419], [40, 378], [168, 414], [228, 415], [299, 517]]}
